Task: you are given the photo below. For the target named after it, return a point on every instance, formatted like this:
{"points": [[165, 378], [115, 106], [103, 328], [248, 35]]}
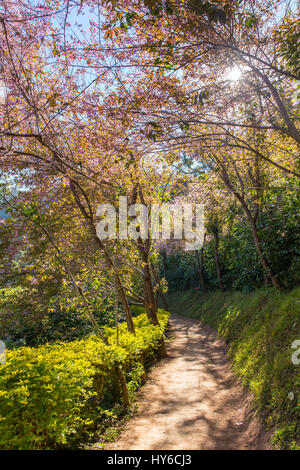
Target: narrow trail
{"points": [[192, 400]]}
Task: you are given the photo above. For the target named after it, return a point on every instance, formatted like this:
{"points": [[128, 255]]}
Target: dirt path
{"points": [[191, 400]]}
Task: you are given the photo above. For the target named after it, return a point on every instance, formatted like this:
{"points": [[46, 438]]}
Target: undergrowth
{"points": [[62, 394]]}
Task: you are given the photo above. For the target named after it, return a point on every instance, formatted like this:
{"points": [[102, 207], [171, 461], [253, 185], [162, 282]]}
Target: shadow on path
{"points": [[192, 400]]}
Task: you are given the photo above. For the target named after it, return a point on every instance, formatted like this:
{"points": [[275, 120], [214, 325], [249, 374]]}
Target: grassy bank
{"points": [[60, 395], [260, 328]]}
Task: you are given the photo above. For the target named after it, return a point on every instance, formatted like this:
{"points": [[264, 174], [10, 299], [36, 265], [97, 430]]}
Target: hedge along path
{"points": [[192, 400], [50, 396]]}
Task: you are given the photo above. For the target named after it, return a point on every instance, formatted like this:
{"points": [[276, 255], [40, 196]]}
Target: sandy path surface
{"points": [[192, 400]]}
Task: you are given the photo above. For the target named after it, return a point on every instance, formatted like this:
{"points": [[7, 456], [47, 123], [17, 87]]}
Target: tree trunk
{"points": [[124, 388], [156, 300], [164, 263], [89, 218], [150, 299], [200, 271], [162, 295], [117, 311], [164, 300], [202, 256], [274, 277], [144, 249], [151, 307], [219, 271], [144, 375]]}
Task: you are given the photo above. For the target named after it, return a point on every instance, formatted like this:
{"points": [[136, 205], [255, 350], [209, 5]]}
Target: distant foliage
{"points": [[28, 319], [279, 230]]}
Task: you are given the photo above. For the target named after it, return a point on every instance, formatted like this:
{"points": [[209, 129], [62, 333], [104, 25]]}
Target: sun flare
{"points": [[233, 74]]}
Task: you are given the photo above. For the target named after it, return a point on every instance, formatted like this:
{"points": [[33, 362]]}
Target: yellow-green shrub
{"points": [[51, 393]]}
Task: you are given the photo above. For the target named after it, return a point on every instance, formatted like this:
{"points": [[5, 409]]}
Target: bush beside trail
{"points": [[56, 395]]}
